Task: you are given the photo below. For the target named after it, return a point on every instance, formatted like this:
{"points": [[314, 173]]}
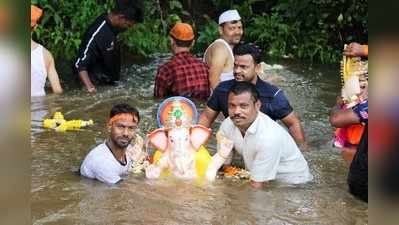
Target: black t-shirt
{"points": [[99, 52], [358, 171]]}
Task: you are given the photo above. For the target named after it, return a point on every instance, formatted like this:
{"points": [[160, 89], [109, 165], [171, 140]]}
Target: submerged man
{"points": [[98, 60], [183, 75], [109, 162], [269, 152], [273, 100], [219, 55], [42, 62]]}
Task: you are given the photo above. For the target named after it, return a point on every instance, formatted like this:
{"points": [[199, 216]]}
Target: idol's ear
{"points": [[199, 135], [159, 139]]}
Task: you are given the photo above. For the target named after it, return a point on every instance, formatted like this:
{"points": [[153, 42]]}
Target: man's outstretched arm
{"points": [[207, 117], [84, 77]]}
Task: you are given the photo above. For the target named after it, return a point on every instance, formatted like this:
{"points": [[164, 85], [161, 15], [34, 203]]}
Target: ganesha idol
{"points": [[179, 142]]}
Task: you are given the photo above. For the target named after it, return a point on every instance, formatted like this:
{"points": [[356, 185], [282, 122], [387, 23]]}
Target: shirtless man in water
{"points": [[219, 55]]}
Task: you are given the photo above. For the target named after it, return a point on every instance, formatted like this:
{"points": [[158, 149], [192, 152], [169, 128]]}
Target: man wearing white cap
{"points": [[219, 55]]}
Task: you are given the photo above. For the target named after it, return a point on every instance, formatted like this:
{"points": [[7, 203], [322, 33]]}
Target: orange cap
{"points": [[35, 14], [182, 31]]}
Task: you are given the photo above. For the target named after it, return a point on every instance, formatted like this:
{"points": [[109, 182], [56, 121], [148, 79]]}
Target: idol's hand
{"points": [[152, 172]]}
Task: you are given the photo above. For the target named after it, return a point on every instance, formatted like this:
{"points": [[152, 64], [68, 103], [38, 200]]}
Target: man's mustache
{"points": [[238, 117]]}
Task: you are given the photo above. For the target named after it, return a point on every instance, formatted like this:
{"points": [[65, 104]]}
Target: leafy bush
{"points": [[270, 31], [152, 35], [64, 23], [307, 29], [324, 26], [206, 35], [146, 38]]}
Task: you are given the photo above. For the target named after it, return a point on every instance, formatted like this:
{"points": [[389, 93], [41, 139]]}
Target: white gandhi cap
{"points": [[229, 15]]}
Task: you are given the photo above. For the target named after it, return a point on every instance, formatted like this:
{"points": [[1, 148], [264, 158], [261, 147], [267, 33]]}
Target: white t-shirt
{"points": [[101, 164], [269, 151]]}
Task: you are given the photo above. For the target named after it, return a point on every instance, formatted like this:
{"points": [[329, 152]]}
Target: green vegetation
{"points": [[305, 29], [64, 22], [152, 35]]}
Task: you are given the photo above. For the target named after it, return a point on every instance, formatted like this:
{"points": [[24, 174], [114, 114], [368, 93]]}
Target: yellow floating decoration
{"points": [[49, 123], [61, 125]]}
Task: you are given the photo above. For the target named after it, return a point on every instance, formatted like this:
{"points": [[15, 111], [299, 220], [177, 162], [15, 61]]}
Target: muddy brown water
{"points": [[60, 196]]}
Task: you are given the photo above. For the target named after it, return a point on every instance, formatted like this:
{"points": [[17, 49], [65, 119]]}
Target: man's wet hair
{"points": [[241, 87], [180, 43], [124, 108], [248, 49], [130, 9]]}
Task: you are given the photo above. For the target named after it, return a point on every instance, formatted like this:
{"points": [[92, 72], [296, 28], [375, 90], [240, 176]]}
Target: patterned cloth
{"points": [[362, 111], [183, 75]]}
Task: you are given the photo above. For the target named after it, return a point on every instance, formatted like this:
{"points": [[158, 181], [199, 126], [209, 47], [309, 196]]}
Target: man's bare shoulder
{"points": [[218, 48], [48, 57], [217, 53]]}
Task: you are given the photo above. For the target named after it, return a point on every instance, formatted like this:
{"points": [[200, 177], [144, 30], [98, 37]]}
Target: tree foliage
{"points": [[306, 29]]}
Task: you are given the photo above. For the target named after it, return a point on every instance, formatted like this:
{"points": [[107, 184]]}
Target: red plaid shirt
{"points": [[183, 75]]}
